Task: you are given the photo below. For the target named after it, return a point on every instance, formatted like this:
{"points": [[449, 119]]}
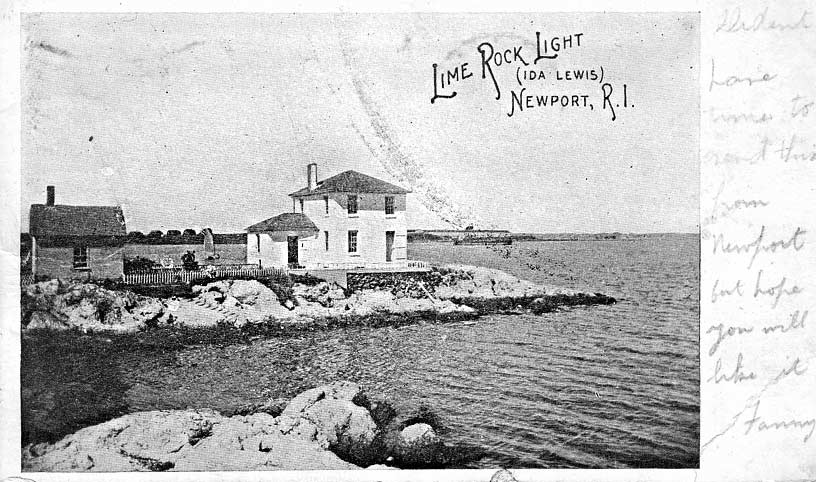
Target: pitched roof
{"points": [[351, 181], [284, 222], [62, 220]]}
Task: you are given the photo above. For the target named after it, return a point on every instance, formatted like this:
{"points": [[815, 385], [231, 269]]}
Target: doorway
{"points": [[292, 250], [389, 245]]}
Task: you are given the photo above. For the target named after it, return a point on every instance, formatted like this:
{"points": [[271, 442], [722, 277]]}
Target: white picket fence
{"points": [[164, 276]]}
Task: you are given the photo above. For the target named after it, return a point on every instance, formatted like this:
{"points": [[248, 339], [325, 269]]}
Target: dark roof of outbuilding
{"points": [[284, 222], [351, 181], [62, 220]]}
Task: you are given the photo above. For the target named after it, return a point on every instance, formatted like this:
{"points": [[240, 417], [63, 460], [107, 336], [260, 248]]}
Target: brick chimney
{"points": [[311, 176], [49, 196]]}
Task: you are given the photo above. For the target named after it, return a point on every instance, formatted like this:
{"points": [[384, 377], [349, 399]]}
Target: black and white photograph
{"points": [[339, 241]]}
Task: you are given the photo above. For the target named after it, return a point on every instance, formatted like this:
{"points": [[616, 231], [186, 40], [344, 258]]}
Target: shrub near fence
{"points": [[166, 276]]}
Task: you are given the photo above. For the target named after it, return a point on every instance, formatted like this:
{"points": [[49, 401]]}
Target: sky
{"points": [[209, 120]]}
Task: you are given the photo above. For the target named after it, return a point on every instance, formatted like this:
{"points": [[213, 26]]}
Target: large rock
{"points": [[250, 301], [331, 416], [190, 440], [267, 298], [139, 441], [328, 427], [418, 445], [341, 423], [418, 434], [88, 306], [45, 320], [247, 292]]}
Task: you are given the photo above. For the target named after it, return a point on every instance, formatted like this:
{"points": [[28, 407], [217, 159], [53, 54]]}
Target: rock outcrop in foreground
{"points": [[56, 304], [328, 427], [448, 290]]}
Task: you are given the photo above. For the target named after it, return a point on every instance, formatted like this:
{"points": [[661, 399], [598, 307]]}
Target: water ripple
{"points": [[601, 387]]}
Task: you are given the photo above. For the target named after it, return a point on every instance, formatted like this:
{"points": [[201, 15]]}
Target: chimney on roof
{"points": [[49, 196], [311, 176]]}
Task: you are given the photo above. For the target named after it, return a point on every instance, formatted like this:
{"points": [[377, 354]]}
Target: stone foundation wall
{"points": [[399, 283]]}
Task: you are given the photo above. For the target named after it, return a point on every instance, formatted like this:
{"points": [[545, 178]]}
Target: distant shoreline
{"points": [[431, 235]]}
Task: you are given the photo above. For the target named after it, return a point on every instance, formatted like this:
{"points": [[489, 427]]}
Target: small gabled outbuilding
{"points": [[76, 241]]}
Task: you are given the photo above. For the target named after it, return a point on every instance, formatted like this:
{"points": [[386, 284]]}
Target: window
{"points": [[389, 205], [258, 241], [301, 205], [326, 233], [80, 257], [352, 204], [352, 241], [326, 200]]}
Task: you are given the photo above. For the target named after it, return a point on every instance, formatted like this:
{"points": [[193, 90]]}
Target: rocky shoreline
{"points": [[334, 426], [330, 427], [449, 292]]}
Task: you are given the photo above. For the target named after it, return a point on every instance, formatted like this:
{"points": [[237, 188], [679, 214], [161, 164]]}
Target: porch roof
{"points": [[284, 222]]}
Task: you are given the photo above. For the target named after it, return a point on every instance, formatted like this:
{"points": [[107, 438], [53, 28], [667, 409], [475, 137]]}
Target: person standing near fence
{"points": [[189, 262]]}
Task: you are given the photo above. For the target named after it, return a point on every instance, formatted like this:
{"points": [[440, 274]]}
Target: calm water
{"points": [[606, 386]]}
